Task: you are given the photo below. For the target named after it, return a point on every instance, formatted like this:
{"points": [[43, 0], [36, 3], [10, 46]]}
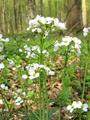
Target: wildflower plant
{"points": [[42, 26], [45, 25], [78, 109], [26, 67]]}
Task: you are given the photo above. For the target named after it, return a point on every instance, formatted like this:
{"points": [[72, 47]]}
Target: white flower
{"points": [[14, 68], [28, 28], [56, 46], [35, 47], [1, 36], [45, 52], [85, 31], [6, 40], [59, 24], [20, 50], [23, 93], [36, 75], [31, 77], [85, 107], [36, 24], [33, 55], [39, 30], [19, 90], [51, 73], [62, 26], [56, 22], [66, 42], [33, 23], [11, 62], [28, 54], [46, 34], [18, 101], [1, 66], [49, 20], [42, 20], [79, 104], [31, 72], [6, 87], [24, 76], [34, 30], [3, 86], [76, 40], [70, 108], [74, 104], [1, 102]]}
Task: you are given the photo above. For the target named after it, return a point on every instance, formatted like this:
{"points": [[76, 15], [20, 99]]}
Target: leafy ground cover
{"points": [[44, 74]]}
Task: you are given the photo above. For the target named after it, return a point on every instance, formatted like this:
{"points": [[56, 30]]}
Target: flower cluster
{"points": [[10, 63], [18, 100], [1, 102], [86, 31], [2, 41], [33, 71], [66, 41], [77, 105], [42, 24], [1, 66], [32, 52], [3, 86]]}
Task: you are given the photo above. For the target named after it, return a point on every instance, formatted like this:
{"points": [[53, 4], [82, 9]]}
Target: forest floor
{"points": [[64, 79]]}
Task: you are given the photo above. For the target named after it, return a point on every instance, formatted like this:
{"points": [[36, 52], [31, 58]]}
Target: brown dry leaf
{"points": [[58, 61], [53, 89], [78, 73]]}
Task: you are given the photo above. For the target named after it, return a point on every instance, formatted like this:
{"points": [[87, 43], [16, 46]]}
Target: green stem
{"points": [[40, 97], [83, 91], [66, 57], [46, 98], [88, 46], [84, 81], [41, 94], [59, 114]]}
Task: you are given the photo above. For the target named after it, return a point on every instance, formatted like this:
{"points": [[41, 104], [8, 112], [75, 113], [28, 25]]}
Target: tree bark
{"points": [[41, 7], [31, 8], [84, 13], [74, 19]]}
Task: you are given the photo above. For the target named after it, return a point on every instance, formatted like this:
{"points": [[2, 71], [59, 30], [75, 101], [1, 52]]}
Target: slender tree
{"points": [[41, 7], [3, 16], [15, 14], [50, 7], [84, 13]]}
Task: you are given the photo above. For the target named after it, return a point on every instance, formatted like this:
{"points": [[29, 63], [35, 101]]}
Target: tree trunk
{"points": [[15, 14], [41, 7], [84, 13], [73, 20], [49, 7], [31, 8]]}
